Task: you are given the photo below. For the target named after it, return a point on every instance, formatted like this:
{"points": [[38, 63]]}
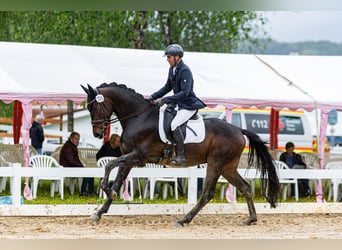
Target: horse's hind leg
{"points": [[246, 191], [207, 195]]}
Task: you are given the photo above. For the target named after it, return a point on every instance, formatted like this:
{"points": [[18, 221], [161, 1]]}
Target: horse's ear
{"points": [[91, 90], [85, 89]]}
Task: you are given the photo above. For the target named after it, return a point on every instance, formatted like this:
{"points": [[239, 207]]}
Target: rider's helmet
{"points": [[174, 49]]}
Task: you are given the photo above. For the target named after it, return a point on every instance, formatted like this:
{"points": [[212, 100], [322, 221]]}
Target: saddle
{"points": [[193, 130], [169, 114]]}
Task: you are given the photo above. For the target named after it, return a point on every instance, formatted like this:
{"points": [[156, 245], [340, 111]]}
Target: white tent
{"points": [[60, 69], [42, 72]]}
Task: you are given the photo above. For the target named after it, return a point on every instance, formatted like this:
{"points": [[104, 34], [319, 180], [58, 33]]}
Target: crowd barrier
{"points": [[16, 172]]}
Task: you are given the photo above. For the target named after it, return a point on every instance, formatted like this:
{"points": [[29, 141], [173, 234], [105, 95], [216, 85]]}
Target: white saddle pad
{"points": [[196, 125]]}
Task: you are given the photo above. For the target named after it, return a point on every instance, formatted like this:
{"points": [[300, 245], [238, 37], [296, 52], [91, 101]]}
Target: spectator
{"points": [[110, 148], [69, 158], [37, 134], [295, 161]]}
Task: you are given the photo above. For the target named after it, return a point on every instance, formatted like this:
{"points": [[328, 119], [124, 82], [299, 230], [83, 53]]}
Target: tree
{"points": [[206, 31], [195, 30], [6, 110]]}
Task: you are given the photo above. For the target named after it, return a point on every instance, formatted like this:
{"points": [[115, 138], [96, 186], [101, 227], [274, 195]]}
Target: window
{"points": [[260, 124], [236, 120]]}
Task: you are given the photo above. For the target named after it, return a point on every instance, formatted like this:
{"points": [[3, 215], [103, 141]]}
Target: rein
{"points": [[100, 100], [114, 120]]}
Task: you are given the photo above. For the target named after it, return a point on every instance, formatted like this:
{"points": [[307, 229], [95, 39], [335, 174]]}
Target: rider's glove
{"points": [[161, 102], [149, 99]]}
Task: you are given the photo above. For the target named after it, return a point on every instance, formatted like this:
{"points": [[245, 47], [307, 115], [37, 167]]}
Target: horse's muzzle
{"points": [[98, 135]]}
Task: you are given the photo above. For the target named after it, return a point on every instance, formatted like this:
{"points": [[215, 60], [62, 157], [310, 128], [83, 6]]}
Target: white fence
{"points": [[16, 172]]}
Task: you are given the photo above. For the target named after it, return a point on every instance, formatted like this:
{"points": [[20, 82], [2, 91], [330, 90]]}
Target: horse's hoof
{"points": [[249, 221], [179, 223], [113, 195], [95, 217]]}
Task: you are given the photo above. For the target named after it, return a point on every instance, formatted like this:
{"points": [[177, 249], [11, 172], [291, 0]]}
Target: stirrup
{"points": [[178, 160]]}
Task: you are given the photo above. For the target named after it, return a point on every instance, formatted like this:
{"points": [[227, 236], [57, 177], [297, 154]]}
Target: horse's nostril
{"points": [[98, 135]]}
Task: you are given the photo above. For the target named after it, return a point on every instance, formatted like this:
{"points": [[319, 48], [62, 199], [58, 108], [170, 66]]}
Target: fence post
{"points": [[192, 185], [16, 183]]}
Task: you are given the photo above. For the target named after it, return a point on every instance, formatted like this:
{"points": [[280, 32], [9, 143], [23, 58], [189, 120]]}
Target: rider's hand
{"points": [[161, 102], [149, 98]]}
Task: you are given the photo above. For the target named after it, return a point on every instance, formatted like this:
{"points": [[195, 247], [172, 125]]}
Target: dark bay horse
{"points": [[140, 144]]}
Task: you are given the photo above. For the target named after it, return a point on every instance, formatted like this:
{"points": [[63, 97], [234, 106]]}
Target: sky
{"points": [[299, 26]]}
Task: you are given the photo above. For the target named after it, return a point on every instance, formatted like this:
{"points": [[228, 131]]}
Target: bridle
{"points": [[99, 99]]}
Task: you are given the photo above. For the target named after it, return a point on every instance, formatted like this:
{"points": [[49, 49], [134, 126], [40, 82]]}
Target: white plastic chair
{"points": [[70, 181], [281, 165], [3, 163], [310, 159], [45, 161], [154, 180], [102, 162], [334, 183]]}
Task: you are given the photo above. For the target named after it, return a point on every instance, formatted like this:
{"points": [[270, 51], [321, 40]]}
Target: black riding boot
{"points": [[179, 140]]}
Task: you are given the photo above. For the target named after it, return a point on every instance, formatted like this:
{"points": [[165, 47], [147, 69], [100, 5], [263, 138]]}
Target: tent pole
{"points": [[319, 195]]}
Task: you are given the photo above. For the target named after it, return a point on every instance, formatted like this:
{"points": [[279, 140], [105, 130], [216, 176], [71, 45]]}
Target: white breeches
{"points": [[182, 116]]}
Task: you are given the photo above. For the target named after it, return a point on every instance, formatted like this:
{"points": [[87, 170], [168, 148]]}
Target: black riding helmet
{"points": [[174, 49]]}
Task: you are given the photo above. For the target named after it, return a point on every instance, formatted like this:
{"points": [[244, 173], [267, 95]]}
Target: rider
{"points": [[181, 82]]}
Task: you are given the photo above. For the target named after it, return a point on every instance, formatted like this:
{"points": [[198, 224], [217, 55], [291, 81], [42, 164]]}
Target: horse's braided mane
{"points": [[114, 84]]}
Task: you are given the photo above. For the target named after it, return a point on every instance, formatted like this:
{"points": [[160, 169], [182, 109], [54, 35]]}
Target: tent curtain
{"points": [[106, 138], [321, 141], [274, 128], [17, 116], [25, 132], [229, 113]]}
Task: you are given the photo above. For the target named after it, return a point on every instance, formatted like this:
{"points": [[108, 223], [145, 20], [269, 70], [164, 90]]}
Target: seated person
{"points": [[295, 161], [69, 158], [110, 148]]}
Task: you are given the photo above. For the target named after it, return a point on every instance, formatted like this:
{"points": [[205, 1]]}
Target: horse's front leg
{"points": [[105, 181], [105, 187], [126, 163], [112, 192]]}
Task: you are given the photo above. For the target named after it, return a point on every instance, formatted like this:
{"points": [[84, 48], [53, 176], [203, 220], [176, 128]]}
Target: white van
{"points": [[293, 125]]}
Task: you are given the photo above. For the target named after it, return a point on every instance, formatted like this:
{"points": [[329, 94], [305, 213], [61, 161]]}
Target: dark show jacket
{"points": [[107, 150], [182, 85]]}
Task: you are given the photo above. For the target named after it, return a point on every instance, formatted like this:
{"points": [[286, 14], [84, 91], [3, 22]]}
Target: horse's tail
{"points": [[265, 164]]}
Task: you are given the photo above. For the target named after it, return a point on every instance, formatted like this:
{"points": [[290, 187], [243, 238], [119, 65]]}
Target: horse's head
{"points": [[100, 111]]}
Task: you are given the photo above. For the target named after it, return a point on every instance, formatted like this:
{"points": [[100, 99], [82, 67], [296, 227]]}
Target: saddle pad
{"points": [[196, 125]]}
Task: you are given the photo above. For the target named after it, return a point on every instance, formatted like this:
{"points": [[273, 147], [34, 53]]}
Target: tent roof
{"points": [[45, 72]]}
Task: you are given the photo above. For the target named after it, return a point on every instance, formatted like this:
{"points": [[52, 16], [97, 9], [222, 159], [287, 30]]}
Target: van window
{"points": [[291, 125], [213, 114], [236, 120], [260, 124]]}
